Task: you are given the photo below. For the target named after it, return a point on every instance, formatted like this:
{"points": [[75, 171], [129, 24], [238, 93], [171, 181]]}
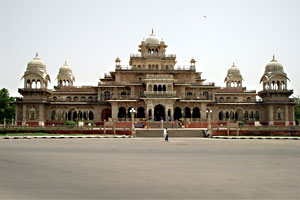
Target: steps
{"points": [[172, 132]]}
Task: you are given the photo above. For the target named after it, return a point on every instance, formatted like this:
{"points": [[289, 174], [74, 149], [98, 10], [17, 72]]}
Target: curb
{"points": [[255, 138], [61, 137]]}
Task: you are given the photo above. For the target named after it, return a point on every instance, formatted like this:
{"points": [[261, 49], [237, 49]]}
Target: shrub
{"points": [[70, 123], [90, 122], [241, 123], [3, 130]]}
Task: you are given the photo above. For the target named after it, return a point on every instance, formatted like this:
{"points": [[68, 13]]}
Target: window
{"points": [[32, 113]]}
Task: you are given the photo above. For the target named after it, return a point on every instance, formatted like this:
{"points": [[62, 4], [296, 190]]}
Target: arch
{"points": [[155, 88], [122, 112], [149, 87], [91, 115], [239, 113], [169, 88], [75, 115], [159, 88], [231, 115], [256, 115], [80, 115], [177, 113], [140, 112], [159, 112], [106, 95], [82, 99], [28, 84], [54, 98], [221, 99], [187, 112], [196, 112], [221, 116], [251, 115], [123, 94], [246, 115], [33, 84], [206, 94], [189, 94], [53, 115], [228, 99], [85, 115], [76, 98], [235, 99], [38, 84], [227, 115], [69, 115], [90, 99], [164, 88]]}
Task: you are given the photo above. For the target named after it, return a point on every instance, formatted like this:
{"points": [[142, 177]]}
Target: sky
{"points": [[90, 34]]}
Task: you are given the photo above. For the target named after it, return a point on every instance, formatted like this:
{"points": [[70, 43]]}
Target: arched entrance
{"points": [[177, 113], [106, 113], [159, 112]]}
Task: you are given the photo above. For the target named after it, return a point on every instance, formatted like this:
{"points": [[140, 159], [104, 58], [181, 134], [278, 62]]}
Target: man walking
{"points": [[166, 136]]}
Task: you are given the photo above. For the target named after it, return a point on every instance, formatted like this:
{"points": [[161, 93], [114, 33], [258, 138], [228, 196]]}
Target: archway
{"points": [[122, 112], [106, 113], [196, 112], [140, 112], [159, 112], [187, 112], [177, 113]]}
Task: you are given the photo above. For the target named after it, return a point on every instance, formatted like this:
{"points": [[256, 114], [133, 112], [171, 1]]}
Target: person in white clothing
{"points": [[166, 136]]}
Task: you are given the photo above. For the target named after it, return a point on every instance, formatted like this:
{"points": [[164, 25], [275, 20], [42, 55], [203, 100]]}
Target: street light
{"points": [[209, 112], [132, 112]]}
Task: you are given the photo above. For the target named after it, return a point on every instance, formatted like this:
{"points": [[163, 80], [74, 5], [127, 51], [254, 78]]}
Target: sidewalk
{"points": [[258, 137]]}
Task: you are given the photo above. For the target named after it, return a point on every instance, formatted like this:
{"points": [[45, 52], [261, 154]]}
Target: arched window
{"points": [[206, 94], [82, 99], [85, 115], [28, 84], [256, 115], [122, 112], [196, 112], [75, 115], [53, 115], [91, 115], [107, 95], [90, 99], [159, 88], [80, 115], [235, 99], [32, 113], [38, 84], [68, 99], [164, 88], [221, 115], [246, 115], [221, 99], [123, 94], [54, 98], [76, 98], [140, 112], [155, 88], [228, 99], [187, 112]]}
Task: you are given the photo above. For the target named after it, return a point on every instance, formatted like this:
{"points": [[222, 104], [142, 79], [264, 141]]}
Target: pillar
{"points": [[16, 115], [99, 94], [24, 115], [41, 115], [203, 111], [132, 92], [271, 115], [286, 115], [114, 110]]}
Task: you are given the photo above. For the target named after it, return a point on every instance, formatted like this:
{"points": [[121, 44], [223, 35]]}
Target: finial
{"points": [[233, 64], [37, 54], [152, 31], [273, 58], [65, 62]]}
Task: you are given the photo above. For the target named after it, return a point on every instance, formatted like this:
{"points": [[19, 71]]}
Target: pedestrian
{"points": [[166, 135], [173, 123]]}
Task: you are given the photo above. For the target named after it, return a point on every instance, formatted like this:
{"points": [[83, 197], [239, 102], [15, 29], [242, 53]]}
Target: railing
{"points": [[123, 67], [159, 76], [160, 94], [209, 83], [153, 55], [192, 97], [183, 68], [238, 101]]}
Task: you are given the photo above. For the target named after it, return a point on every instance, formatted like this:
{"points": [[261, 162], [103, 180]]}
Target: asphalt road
{"points": [[149, 168]]}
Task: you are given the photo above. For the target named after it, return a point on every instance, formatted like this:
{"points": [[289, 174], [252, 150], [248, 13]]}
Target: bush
{"points": [[90, 122], [4, 131], [241, 123], [70, 123]]}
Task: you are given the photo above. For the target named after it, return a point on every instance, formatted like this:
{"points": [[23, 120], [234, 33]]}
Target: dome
{"points": [[273, 66], [65, 68], [36, 64], [152, 39], [233, 70]]}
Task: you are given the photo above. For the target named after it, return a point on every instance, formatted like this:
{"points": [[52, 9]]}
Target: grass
{"points": [[43, 134]]}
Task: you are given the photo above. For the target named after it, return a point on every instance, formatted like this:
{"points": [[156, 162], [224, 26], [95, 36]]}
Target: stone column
{"points": [[271, 115], [286, 115], [203, 110], [293, 115], [16, 115], [99, 94], [24, 115], [41, 115], [132, 91], [114, 111], [166, 113]]}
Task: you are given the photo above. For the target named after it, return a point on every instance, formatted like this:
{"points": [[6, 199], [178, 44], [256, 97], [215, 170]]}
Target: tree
{"points": [[7, 110], [297, 108]]}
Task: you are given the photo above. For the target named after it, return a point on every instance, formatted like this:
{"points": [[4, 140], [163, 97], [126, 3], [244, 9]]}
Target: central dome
{"points": [[233, 70], [152, 39], [273, 66], [36, 64], [65, 68]]}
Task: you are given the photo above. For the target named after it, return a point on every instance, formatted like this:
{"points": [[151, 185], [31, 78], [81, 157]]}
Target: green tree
{"points": [[297, 109], [7, 110]]}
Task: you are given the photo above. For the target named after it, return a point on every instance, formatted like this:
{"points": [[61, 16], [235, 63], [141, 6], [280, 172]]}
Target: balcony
{"points": [[160, 94], [159, 77]]}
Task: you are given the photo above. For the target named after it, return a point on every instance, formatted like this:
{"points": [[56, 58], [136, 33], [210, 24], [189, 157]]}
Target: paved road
{"points": [[148, 168]]}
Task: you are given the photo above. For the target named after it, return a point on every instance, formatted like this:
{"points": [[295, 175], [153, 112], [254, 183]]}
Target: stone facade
{"points": [[157, 89]]}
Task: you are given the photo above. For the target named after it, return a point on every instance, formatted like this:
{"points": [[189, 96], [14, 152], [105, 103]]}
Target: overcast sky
{"points": [[91, 34]]}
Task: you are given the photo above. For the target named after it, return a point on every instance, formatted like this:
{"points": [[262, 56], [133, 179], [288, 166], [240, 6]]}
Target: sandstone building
{"points": [[157, 89]]}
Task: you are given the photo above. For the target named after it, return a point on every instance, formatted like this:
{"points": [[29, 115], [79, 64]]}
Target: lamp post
{"points": [[132, 111], [209, 112]]}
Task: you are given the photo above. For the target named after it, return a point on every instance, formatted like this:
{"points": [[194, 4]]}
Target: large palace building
{"points": [[157, 89]]}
